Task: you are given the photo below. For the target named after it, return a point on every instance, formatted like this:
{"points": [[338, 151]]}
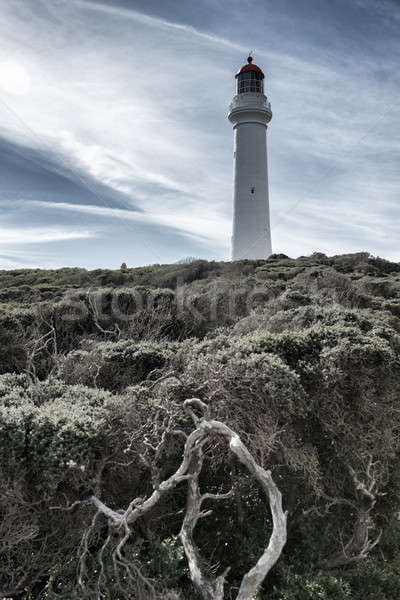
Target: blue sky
{"points": [[114, 141]]}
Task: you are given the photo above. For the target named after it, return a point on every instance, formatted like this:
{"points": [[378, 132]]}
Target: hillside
{"points": [[301, 357]]}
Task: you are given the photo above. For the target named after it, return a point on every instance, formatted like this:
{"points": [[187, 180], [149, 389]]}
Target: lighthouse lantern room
{"points": [[249, 78]]}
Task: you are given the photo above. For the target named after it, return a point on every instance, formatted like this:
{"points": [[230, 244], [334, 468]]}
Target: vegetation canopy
{"points": [[105, 376]]}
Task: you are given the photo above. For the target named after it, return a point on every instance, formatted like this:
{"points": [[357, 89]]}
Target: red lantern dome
{"points": [[249, 78], [250, 67]]}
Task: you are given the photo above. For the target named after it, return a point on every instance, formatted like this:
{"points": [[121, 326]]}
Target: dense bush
{"points": [[115, 365], [301, 357], [49, 427]]}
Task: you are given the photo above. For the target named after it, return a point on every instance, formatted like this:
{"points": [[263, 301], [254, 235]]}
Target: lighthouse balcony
{"points": [[250, 100]]}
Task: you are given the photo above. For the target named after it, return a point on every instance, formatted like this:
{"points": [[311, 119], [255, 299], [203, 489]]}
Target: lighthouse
{"points": [[250, 113]]}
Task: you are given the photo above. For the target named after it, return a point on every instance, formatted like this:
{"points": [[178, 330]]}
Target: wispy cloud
{"points": [[34, 235], [204, 228], [152, 21]]}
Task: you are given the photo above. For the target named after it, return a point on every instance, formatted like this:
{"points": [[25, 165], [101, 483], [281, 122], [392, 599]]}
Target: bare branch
{"points": [[189, 470], [208, 496], [253, 579], [359, 545]]}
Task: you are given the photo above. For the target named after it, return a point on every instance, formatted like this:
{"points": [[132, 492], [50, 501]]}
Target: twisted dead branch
{"points": [[360, 545], [122, 522]]}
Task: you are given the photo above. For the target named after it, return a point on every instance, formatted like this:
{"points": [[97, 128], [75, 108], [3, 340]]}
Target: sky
{"points": [[115, 144]]}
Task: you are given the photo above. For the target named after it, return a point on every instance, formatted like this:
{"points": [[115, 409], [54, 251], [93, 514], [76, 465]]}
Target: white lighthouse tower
{"points": [[250, 113]]}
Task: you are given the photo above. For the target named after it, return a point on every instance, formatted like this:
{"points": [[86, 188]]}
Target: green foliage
{"points": [[300, 356], [50, 428], [314, 586], [376, 579], [115, 365]]}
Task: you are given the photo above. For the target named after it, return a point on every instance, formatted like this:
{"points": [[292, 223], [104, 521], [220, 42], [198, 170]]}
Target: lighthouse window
{"points": [[250, 81]]}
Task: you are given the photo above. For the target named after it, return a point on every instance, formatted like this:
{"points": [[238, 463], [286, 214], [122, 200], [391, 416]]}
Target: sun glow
{"points": [[14, 79]]}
